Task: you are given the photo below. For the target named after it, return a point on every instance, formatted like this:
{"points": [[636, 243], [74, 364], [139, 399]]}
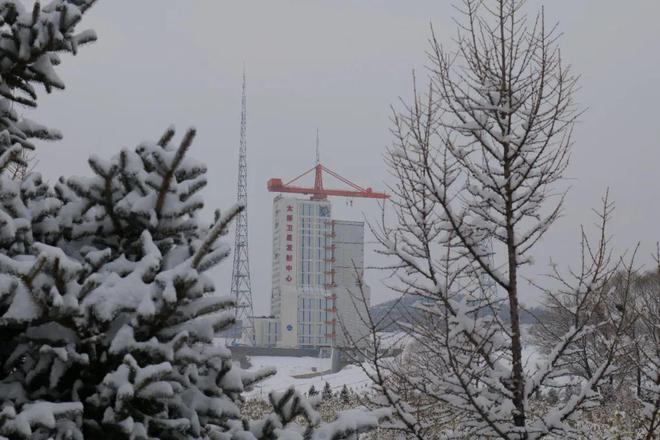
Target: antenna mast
{"points": [[241, 289]]}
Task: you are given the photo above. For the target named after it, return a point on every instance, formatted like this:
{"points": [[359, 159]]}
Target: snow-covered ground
{"points": [[290, 370], [287, 367]]}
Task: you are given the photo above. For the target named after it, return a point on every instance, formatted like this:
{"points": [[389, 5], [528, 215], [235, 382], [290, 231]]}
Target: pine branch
{"points": [[167, 179], [216, 231]]}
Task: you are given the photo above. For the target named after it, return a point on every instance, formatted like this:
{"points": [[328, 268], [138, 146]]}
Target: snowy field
{"points": [[288, 367], [291, 370]]}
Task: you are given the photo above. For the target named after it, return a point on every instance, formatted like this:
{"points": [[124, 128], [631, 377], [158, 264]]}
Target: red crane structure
{"points": [[318, 192]]}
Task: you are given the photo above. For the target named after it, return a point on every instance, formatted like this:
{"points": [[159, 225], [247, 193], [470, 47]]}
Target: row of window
{"points": [[313, 246], [313, 334], [313, 320], [313, 316], [306, 303], [314, 209]]}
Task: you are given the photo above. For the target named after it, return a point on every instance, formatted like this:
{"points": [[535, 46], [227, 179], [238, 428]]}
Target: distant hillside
{"points": [[402, 310]]}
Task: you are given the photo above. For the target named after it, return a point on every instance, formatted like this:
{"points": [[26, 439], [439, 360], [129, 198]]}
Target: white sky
{"points": [[338, 66]]}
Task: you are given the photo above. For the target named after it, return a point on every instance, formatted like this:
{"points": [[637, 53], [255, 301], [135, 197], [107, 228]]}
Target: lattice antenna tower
{"points": [[241, 288]]}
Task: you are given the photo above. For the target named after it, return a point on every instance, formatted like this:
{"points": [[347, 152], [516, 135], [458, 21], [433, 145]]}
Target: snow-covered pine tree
{"points": [[113, 317], [30, 43], [345, 395], [156, 373], [326, 394], [27, 228], [312, 391]]}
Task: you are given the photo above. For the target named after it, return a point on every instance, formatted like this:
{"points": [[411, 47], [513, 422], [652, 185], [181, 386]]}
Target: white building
{"points": [[315, 264]]}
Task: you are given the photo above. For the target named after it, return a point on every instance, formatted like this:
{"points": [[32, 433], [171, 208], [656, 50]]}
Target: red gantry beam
{"points": [[318, 192]]}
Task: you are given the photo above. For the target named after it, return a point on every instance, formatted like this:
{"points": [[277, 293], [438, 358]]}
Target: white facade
{"points": [[266, 331], [313, 271], [352, 299]]}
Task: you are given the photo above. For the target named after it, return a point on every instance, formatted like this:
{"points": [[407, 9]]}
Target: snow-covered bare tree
{"points": [[30, 43], [479, 159], [646, 343], [612, 313], [635, 375]]}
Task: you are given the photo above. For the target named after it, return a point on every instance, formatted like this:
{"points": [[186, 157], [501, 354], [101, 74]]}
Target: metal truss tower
{"points": [[241, 288]]}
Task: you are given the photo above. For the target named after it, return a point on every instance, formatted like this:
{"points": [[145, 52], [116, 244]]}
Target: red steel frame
{"points": [[318, 192]]}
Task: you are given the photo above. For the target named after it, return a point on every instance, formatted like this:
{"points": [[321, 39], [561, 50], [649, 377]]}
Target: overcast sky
{"points": [[338, 66]]}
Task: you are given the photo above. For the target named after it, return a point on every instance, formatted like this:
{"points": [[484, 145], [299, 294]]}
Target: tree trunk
{"points": [[517, 377]]}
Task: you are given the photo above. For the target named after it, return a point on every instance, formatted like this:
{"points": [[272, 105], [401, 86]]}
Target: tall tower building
{"points": [[318, 297], [316, 263]]}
